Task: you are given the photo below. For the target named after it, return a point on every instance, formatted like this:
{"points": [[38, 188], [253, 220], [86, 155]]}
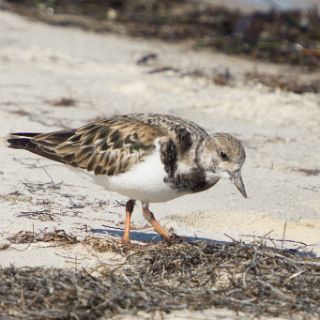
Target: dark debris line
{"points": [[250, 278], [285, 37]]}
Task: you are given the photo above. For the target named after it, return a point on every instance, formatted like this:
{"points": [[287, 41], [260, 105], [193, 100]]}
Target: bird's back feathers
{"points": [[110, 146]]}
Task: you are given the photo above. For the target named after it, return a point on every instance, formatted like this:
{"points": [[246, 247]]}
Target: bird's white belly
{"points": [[144, 181]]}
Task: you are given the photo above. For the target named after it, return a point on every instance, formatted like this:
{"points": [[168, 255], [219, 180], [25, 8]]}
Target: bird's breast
{"points": [[145, 181]]}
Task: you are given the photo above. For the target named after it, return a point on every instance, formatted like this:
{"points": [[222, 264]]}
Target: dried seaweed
{"points": [[58, 236], [250, 278], [145, 59], [284, 83], [226, 78], [62, 102], [43, 215], [219, 78], [278, 36], [307, 172], [108, 245], [4, 246]]}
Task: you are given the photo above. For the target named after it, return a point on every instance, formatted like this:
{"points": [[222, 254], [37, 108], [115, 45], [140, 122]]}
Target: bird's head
{"points": [[222, 156]]}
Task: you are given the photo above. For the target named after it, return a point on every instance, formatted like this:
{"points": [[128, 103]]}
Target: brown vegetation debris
{"points": [[42, 215], [58, 236], [219, 78], [278, 36], [4, 246], [250, 278], [62, 102], [284, 83], [108, 245], [145, 59], [307, 172]]}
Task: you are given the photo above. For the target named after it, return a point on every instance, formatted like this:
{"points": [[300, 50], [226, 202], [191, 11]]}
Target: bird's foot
{"points": [[125, 241], [174, 239]]}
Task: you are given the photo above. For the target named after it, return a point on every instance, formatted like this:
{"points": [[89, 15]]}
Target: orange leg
{"points": [[149, 216], [129, 210]]}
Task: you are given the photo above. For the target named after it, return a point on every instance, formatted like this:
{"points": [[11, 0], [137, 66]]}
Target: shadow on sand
{"points": [[152, 237], [148, 236]]}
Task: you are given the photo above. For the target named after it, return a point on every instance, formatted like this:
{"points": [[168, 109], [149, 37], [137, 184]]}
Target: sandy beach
{"points": [[41, 66]]}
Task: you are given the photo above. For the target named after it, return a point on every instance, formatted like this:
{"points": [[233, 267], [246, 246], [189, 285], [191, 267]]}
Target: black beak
{"points": [[236, 179]]}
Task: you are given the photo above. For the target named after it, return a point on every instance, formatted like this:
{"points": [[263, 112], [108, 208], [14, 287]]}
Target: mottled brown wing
{"points": [[108, 147]]}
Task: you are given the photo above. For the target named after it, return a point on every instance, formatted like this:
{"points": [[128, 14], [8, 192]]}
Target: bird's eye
{"points": [[224, 156]]}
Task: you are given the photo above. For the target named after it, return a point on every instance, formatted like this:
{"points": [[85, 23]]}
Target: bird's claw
{"points": [[174, 239]]}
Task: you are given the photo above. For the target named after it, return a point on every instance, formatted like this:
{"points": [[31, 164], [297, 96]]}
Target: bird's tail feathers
{"points": [[20, 140], [42, 144]]}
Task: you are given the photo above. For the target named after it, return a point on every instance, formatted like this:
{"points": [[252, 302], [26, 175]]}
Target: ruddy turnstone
{"points": [[146, 157]]}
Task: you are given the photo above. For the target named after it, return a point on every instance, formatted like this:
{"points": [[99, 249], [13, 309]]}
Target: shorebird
{"points": [[145, 157]]}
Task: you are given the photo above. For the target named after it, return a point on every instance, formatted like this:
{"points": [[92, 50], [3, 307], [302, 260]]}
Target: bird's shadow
{"points": [[153, 237], [148, 237]]}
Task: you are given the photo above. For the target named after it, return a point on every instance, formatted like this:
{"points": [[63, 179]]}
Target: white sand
{"points": [[281, 131]]}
